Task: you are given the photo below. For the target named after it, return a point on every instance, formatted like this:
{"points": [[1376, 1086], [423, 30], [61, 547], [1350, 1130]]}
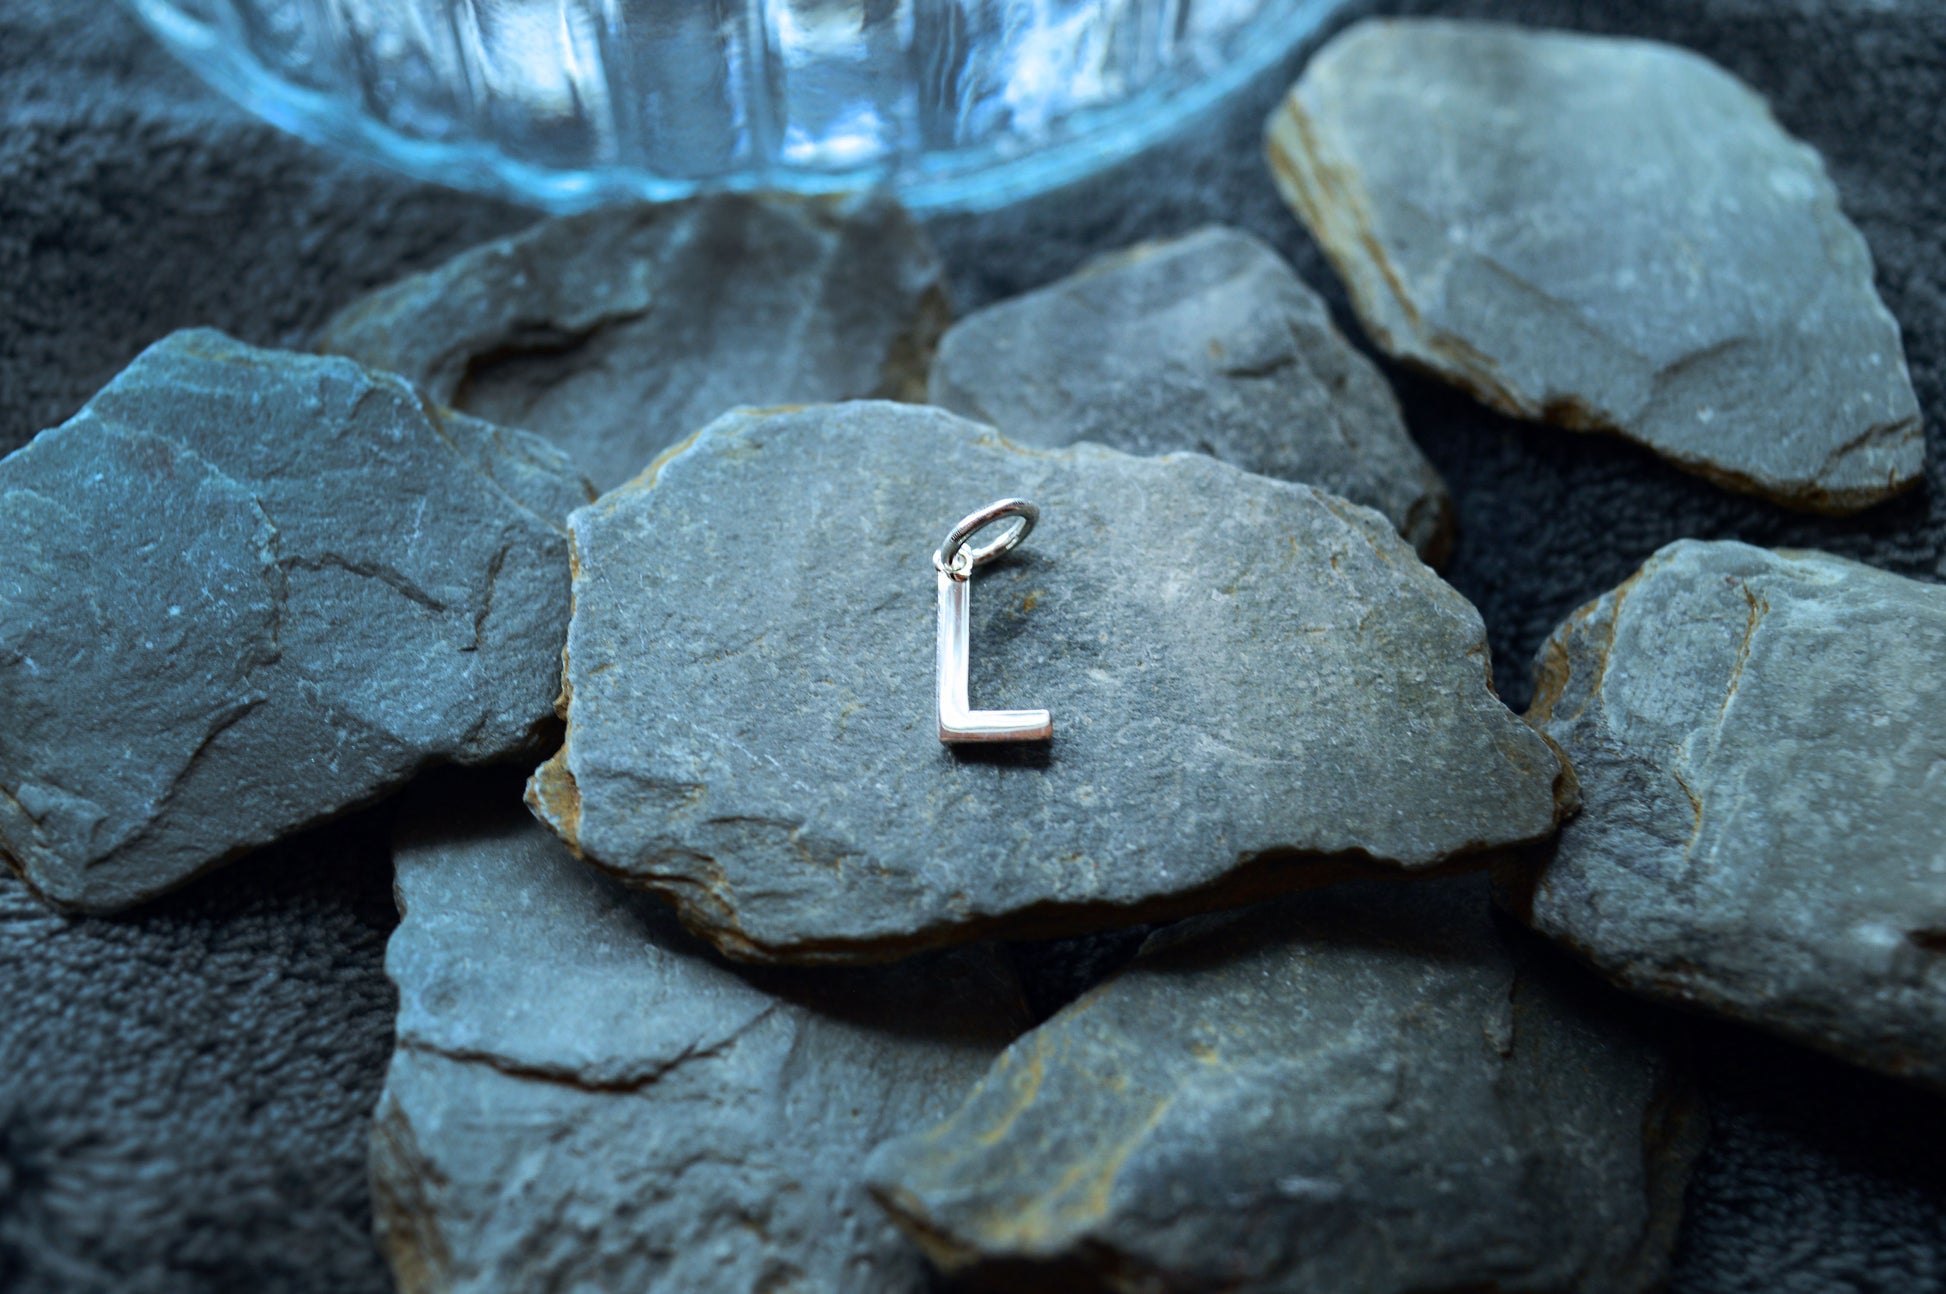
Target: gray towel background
{"points": [[184, 1092]]}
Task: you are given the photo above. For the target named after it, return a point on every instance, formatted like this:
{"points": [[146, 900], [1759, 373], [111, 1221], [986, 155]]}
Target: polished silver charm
{"points": [[956, 561]]}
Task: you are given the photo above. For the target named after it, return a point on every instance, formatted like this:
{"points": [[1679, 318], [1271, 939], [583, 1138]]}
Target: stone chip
{"points": [[1365, 1088], [1207, 342], [584, 1098], [1605, 234], [248, 589], [1759, 737], [1255, 685], [620, 330]]}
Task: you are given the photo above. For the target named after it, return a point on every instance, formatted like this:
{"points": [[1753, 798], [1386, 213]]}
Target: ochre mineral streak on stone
{"points": [[252, 589], [1252, 680], [1366, 1088], [1757, 735], [1207, 342], [618, 331], [1605, 235], [583, 1097]]}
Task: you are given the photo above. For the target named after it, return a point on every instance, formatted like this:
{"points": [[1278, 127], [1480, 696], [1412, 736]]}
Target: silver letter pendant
{"points": [[956, 563]]}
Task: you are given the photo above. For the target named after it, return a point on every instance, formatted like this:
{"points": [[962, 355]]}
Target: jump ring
{"points": [[955, 557]]}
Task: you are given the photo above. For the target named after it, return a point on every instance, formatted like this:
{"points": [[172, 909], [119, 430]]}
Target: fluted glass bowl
{"points": [[564, 103]]}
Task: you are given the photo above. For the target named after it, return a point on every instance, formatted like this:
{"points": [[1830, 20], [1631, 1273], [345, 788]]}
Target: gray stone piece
{"points": [[621, 330], [248, 589], [1605, 234], [1208, 342], [1365, 1088], [1759, 739], [585, 1098], [1256, 686]]}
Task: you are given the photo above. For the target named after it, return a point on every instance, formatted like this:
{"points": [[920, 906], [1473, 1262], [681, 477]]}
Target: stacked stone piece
{"points": [[619, 331], [1248, 678], [582, 1095], [1367, 1088], [1606, 235], [250, 589], [1759, 739], [1208, 343]]}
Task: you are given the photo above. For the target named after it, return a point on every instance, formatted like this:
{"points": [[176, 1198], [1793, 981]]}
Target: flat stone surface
{"points": [[1207, 342], [1255, 686], [248, 589], [1364, 1088], [1605, 234], [619, 331], [1759, 737], [583, 1097]]}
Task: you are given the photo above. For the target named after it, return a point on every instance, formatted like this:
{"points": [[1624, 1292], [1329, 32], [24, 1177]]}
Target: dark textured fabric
{"points": [[184, 1092], [133, 201]]}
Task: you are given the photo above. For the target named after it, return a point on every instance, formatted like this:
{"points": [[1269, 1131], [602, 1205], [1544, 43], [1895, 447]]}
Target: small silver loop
{"points": [[956, 558]]}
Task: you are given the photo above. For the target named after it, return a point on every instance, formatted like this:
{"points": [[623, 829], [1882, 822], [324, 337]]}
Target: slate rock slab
{"points": [[248, 589], [583, 1097], [1605, 234], [1208, 342], [1255, 686], [1363, 1089], [619, 331], [1759, 738]]}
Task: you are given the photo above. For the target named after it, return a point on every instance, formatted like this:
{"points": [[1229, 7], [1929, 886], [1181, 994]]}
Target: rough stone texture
{"points": [[247, 589], [617, 332], [1208, 342], [1362, 1089], [1605, 234], [1758, 737], [584, 1098], [133, 202], [751, 716]]}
